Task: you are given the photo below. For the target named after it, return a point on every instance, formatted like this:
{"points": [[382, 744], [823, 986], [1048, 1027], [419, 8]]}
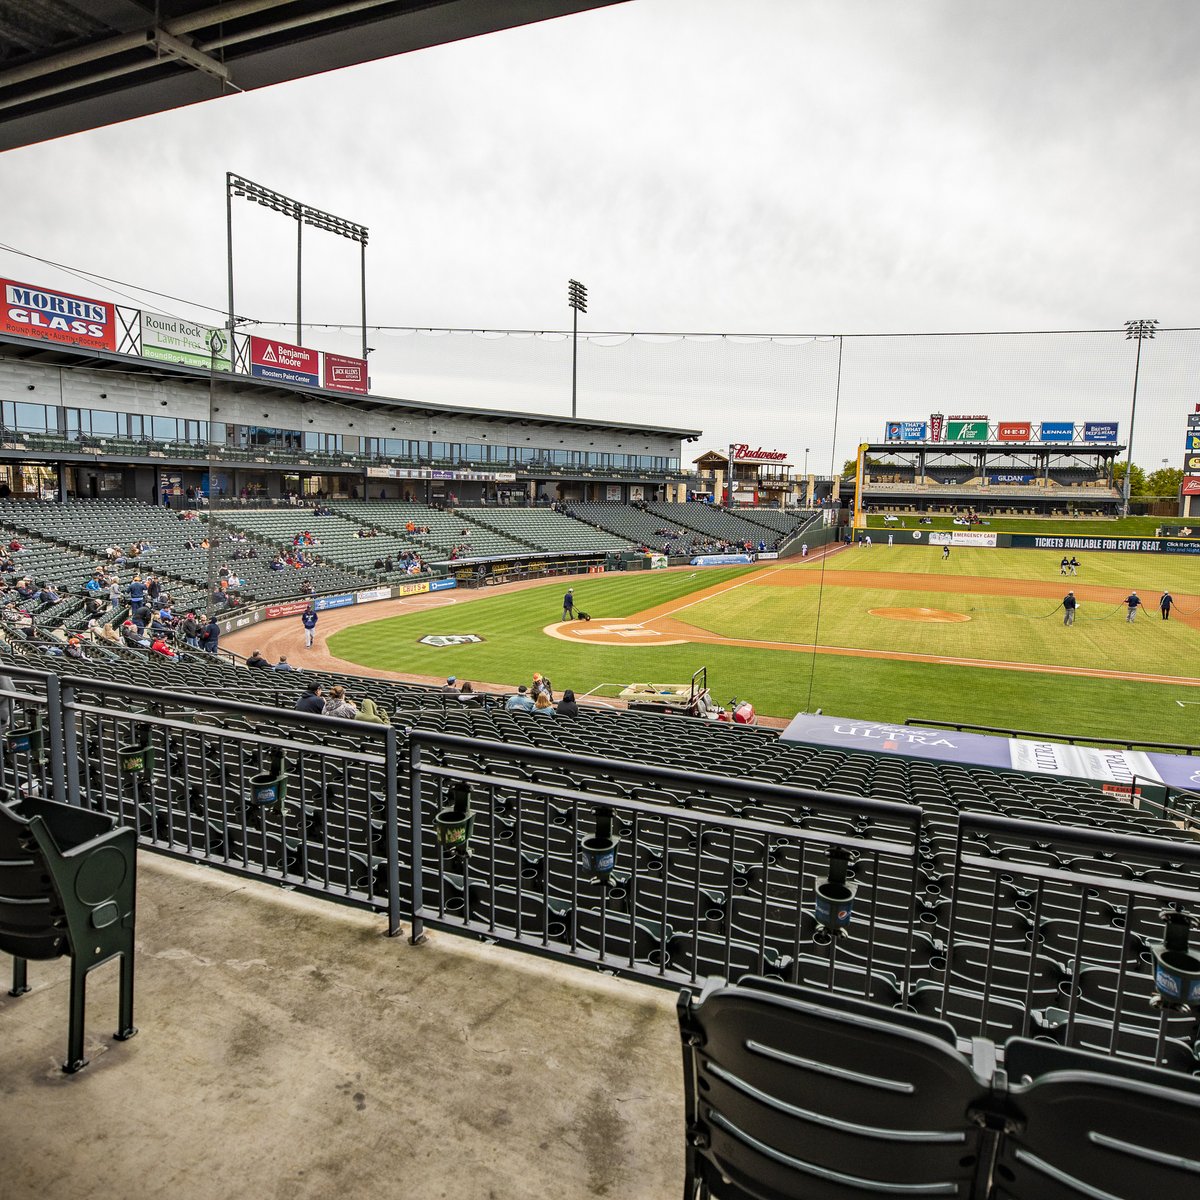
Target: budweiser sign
{"points": [[744, 453]]}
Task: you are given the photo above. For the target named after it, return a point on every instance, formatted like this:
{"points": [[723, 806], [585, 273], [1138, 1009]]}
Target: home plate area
{"points": [[600, 631]]}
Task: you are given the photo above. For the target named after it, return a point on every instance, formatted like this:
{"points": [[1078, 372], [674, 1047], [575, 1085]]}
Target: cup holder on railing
{"points": [[937, 962], [659, 958]]}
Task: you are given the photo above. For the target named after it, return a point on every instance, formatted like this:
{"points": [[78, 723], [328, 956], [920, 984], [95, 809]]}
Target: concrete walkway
{"points": [[288, 1050]]}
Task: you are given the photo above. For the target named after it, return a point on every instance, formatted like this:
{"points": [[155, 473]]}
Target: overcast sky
{"points": [[735, 166]]}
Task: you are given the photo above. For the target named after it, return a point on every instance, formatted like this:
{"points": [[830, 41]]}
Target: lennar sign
{"points": [[743, 453]]}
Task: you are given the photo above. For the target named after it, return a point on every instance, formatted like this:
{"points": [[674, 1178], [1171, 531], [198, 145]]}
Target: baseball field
{"points": [[882, 633]]}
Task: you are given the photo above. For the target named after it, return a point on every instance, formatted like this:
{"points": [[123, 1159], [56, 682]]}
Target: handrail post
{"points": [[392, 830], [58, 782], [70, 737], [417, 915]]}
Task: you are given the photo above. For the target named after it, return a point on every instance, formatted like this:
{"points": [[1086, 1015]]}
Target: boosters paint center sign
{"points": [[283, 362], [57, 317]]}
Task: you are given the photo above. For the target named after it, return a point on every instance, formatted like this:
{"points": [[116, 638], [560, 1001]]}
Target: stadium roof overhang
{"points": [[71, 65], [31, 350]]}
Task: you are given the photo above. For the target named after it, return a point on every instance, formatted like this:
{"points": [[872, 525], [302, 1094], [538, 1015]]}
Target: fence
{"points": [[1000, 927]]}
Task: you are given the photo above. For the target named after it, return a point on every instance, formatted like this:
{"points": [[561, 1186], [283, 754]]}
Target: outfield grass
{"points": [[1049, 526], [1149, 573], [779, 683]]}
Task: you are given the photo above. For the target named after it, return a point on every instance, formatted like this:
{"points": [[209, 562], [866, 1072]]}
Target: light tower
{"points": [[577, 299], [1140, 330]]}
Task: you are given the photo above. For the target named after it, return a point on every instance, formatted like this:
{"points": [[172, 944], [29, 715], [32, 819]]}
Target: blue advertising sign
{"points": [[1193, 442], [1010, 479], [440, 585], [1100, 431], [904, 431], [321, 603], [721, 560], [1058, 431]]}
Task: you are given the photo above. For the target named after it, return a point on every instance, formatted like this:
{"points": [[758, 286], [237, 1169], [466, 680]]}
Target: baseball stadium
{"points": [[494, 802]]}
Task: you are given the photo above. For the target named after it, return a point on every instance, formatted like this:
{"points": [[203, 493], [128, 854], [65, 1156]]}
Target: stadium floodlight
{"points": [[577, 299], [303, 214], [1137, 330]]}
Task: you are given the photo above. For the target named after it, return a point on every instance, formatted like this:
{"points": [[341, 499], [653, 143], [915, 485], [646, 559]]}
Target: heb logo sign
{"points": [[342, 374], [1014, 431], [57, 317], [283, 362]]}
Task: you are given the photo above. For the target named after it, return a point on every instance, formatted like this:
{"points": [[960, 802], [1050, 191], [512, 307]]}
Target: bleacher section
{"points": [[715, 522], [545, 529], [94, 525], [337, 540], [445, 529]]}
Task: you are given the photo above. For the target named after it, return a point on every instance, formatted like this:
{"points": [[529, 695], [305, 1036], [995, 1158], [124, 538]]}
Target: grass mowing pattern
{"points": [[776, 682]]}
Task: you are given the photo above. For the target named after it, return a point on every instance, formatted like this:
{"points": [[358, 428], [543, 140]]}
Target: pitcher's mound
{"points": [[937, 615]]}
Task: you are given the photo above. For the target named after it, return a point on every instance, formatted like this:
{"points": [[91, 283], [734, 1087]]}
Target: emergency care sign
{"points": [[57, 317]]}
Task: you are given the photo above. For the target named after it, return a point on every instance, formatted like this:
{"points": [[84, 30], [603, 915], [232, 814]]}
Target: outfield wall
{"points": [[994, 539]]}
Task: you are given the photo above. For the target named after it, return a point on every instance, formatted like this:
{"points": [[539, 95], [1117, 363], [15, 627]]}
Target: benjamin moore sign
{"points": [[170, 339]]}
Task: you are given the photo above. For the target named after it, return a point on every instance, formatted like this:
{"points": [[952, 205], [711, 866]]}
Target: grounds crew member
{"points": [[1164, 605], [309, 620], [1132, 600], [1069, 605], [569, 604]]}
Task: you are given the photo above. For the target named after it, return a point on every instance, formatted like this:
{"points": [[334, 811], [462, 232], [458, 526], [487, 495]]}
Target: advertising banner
{"points": [[442, 585], [962, 537], [342, 374], [34, 312], [720, 560], [744, 452], [1011, 479], [1100, 431], [1194, 420], [321, 603], [1034, 756], [283, 362], [1058, 431], [967, 431], [904, 431], [768, 554], [1193, 442], [1191, 464], [936, 421], [170, 339], [1014, 431], [612, 491], [379, 593], [1191, 485], [658, 562], [289, 608], [1164, 545]]}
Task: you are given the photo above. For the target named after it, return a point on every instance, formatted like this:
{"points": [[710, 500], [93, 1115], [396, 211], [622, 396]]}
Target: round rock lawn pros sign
{"points": [[34, 312]]}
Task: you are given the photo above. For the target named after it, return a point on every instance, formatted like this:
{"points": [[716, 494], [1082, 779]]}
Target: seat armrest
{"points": [[68, 825]]}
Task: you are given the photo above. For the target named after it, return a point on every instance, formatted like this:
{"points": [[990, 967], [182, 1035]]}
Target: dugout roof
{"points": [[71, 65]]}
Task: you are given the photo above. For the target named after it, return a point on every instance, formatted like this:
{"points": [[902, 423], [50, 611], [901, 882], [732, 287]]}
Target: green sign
{"points": [[170, 339], [967, 431]]}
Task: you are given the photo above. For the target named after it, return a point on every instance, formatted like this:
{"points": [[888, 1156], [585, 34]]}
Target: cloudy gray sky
{"points": [[738, 166]]}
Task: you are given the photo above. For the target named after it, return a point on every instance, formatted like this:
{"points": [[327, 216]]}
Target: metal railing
{"points": [[1071, 739]]}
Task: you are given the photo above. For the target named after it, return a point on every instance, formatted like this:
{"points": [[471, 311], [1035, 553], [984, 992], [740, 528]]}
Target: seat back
{"points": [[32, 923], [788, 1096], [1118, 1130]]}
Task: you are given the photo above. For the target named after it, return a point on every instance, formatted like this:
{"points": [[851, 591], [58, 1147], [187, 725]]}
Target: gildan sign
{"points": [[169, 339], [284, 363], [744, 453], [342, 374], [57, 317], [1014, 431]]}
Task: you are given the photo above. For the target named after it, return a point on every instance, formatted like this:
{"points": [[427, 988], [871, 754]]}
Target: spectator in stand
{"points": [[541, 683], [161, 647], [137, 591], [520, 702], [543, 706], [210, 636], [370, 712], [47, 595], [567, 706], [74, 649], [257, 662], [313, 700], [132, 636], [189, 629], [15, 546], [96, 584], [109, 634], [283, 664], [153, 588], [339, 705]]}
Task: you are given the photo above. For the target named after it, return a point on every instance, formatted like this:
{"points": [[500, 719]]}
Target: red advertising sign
{"points": [[745, 453], [936, 421], [1191, 485], [1014, 431], [344, 374], [283, 362], [35, 312], [289, 608]]}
